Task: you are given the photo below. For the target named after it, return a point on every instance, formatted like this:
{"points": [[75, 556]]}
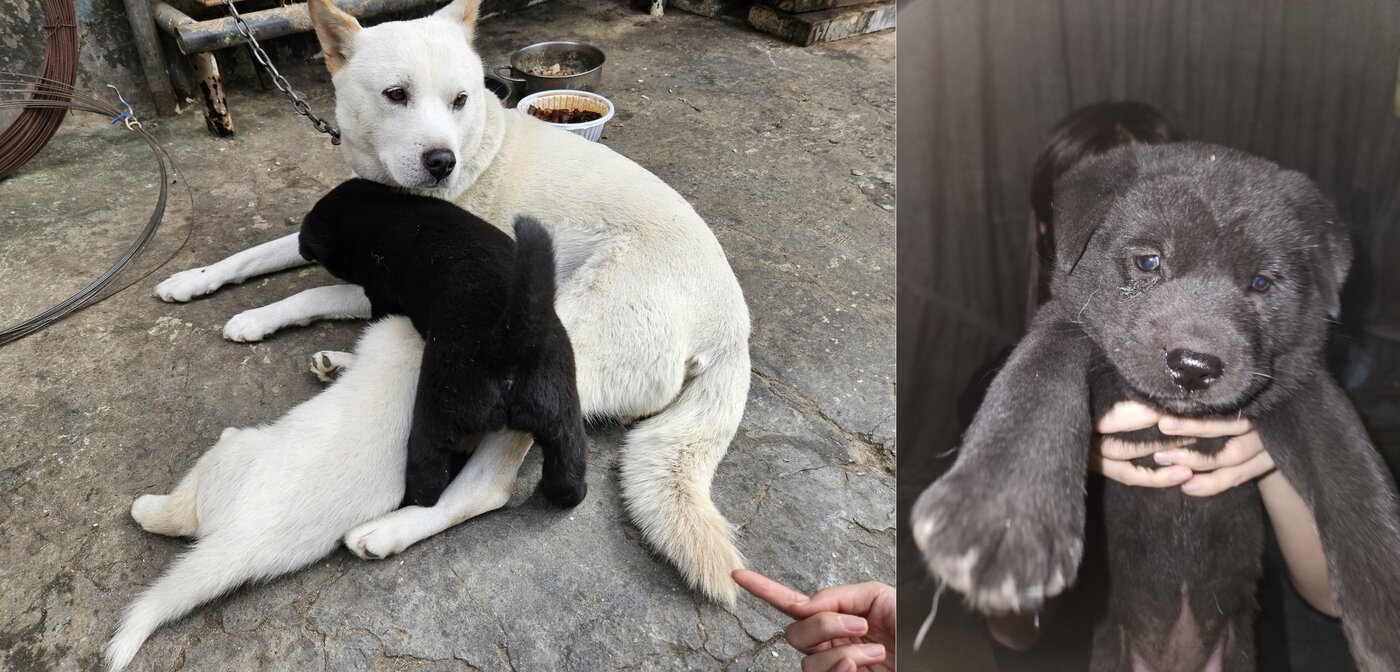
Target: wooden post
{"points": [[143, 32]]}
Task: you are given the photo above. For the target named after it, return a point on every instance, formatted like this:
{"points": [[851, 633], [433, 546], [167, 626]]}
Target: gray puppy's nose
{"points": [[1193, 371], [439, 162]]}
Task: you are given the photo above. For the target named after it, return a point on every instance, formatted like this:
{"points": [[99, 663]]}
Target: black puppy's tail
{"points": [[530, 299]]}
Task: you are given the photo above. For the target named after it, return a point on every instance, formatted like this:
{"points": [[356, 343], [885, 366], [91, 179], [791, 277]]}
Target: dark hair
{"points": [[1088, 131]]}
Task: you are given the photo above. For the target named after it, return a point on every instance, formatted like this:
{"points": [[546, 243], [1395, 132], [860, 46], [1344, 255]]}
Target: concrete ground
{"points": [[788, 153]]}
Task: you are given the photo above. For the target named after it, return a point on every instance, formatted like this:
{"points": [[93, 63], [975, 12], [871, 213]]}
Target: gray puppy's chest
{"points": [[1182, 569]]}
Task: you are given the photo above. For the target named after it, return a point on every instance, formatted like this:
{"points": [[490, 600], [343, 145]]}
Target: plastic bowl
{"points": [[578, 100]]}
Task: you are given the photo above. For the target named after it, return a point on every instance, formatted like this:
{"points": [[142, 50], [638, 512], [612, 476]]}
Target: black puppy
{"points": [[1198, 280], [496, 354]]}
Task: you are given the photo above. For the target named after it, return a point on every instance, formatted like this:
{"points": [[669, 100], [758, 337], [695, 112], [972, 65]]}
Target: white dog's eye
{"points": [[396, 94], [460, 101]]}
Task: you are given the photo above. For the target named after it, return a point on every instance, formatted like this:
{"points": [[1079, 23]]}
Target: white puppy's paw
{"points": [[187, 285], [148, 511], [251, 326], [374, 541], [326, 364]]}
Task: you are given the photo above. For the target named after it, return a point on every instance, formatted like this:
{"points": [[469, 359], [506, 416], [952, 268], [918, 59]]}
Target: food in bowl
{"points": [[566, 115], [554, 70]]}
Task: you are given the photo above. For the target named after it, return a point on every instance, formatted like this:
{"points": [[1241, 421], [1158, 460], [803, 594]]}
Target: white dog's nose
{"points": [[439, 162]]}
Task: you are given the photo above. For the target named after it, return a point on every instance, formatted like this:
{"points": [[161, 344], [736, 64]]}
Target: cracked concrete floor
{"points": [[789, 157]]}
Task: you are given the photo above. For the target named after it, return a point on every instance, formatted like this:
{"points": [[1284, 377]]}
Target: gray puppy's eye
{"points": [[1261, 283], [1149, 262]]}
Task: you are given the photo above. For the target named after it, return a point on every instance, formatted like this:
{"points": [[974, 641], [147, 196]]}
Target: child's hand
{"points": [[841, 629], [1241, 460]]}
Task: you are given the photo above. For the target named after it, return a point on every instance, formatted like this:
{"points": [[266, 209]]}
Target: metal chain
{"points": [[278, 80]]}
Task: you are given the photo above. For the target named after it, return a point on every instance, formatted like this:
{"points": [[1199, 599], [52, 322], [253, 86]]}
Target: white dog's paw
{"points": [[251, 325], [374, 541], [187, 285], [144, 509], [326, 364], [155, 515]]}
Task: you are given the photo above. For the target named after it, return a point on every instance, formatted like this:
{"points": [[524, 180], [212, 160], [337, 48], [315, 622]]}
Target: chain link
{"points": [[278, 80]]}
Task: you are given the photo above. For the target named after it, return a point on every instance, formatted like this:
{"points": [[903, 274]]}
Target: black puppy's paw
{"points": [[565, 493], [424, 487], [1005, 551]]}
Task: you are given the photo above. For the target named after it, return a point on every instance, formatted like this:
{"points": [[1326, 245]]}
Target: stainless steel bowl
{"points": [[583, 61], [500, 88]]}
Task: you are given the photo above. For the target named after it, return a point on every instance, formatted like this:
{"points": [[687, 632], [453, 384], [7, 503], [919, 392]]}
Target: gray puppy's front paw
{"points": [[1005, 551]]}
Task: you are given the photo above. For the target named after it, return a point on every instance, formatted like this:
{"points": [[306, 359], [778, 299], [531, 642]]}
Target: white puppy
{"points": [[269, 500], [656, 317]]}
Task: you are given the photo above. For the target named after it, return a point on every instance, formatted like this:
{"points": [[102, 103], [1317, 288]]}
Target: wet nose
{"points": [[439, 162], [1192, 370]]}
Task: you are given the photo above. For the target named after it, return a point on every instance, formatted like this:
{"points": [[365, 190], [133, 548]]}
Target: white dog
{"points": [[266, 501], [657, 319]]}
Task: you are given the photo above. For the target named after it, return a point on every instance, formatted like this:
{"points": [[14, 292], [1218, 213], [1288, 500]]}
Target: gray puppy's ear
{"points": [[1083, 197], [1329, 254]]}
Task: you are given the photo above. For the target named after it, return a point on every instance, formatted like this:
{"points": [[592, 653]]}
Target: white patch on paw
{"points": [[1035, 595], [1006, 595], [1056, 584], [250, 326], [187, 285], [957, 572], [922, 531]]}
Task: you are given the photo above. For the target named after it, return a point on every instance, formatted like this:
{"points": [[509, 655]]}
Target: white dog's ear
{"points": [[463, 12], [335, 30]]}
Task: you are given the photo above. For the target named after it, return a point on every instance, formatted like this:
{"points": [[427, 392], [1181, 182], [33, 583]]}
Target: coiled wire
{"points": [[58, 98], [31, 130]]}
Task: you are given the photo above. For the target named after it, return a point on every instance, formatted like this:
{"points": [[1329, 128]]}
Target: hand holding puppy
{"points": [[1243, 458]]}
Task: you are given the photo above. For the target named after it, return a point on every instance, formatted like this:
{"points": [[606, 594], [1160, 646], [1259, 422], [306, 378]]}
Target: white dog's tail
{"points": [[214, 566], [668, 462]]}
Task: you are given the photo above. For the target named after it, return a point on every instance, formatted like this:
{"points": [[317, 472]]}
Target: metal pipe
{"points": [[143, 32], [211, 95], [195, 37]]}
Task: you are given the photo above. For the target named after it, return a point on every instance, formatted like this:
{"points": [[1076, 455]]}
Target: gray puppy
{"points": [[1198, 280]]}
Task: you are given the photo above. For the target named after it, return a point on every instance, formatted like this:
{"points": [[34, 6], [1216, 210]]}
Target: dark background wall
{"points": [[1311, 84], [107, 54]]}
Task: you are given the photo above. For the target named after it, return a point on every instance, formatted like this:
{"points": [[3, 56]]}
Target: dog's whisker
{"points": [[1080, 315]]}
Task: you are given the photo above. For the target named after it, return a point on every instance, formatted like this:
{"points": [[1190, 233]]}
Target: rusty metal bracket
{"points": [[199, 36], [195, 39]]}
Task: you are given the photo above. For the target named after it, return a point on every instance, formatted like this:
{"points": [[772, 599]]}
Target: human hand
{"points": [[840, 629], [1241, 460]]}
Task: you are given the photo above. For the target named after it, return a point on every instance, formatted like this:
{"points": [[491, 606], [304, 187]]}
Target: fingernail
{"points": [[1165, 457], [1168, 423], [1191, 487], [852, 623], [1183, 476], [873, 650]]}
